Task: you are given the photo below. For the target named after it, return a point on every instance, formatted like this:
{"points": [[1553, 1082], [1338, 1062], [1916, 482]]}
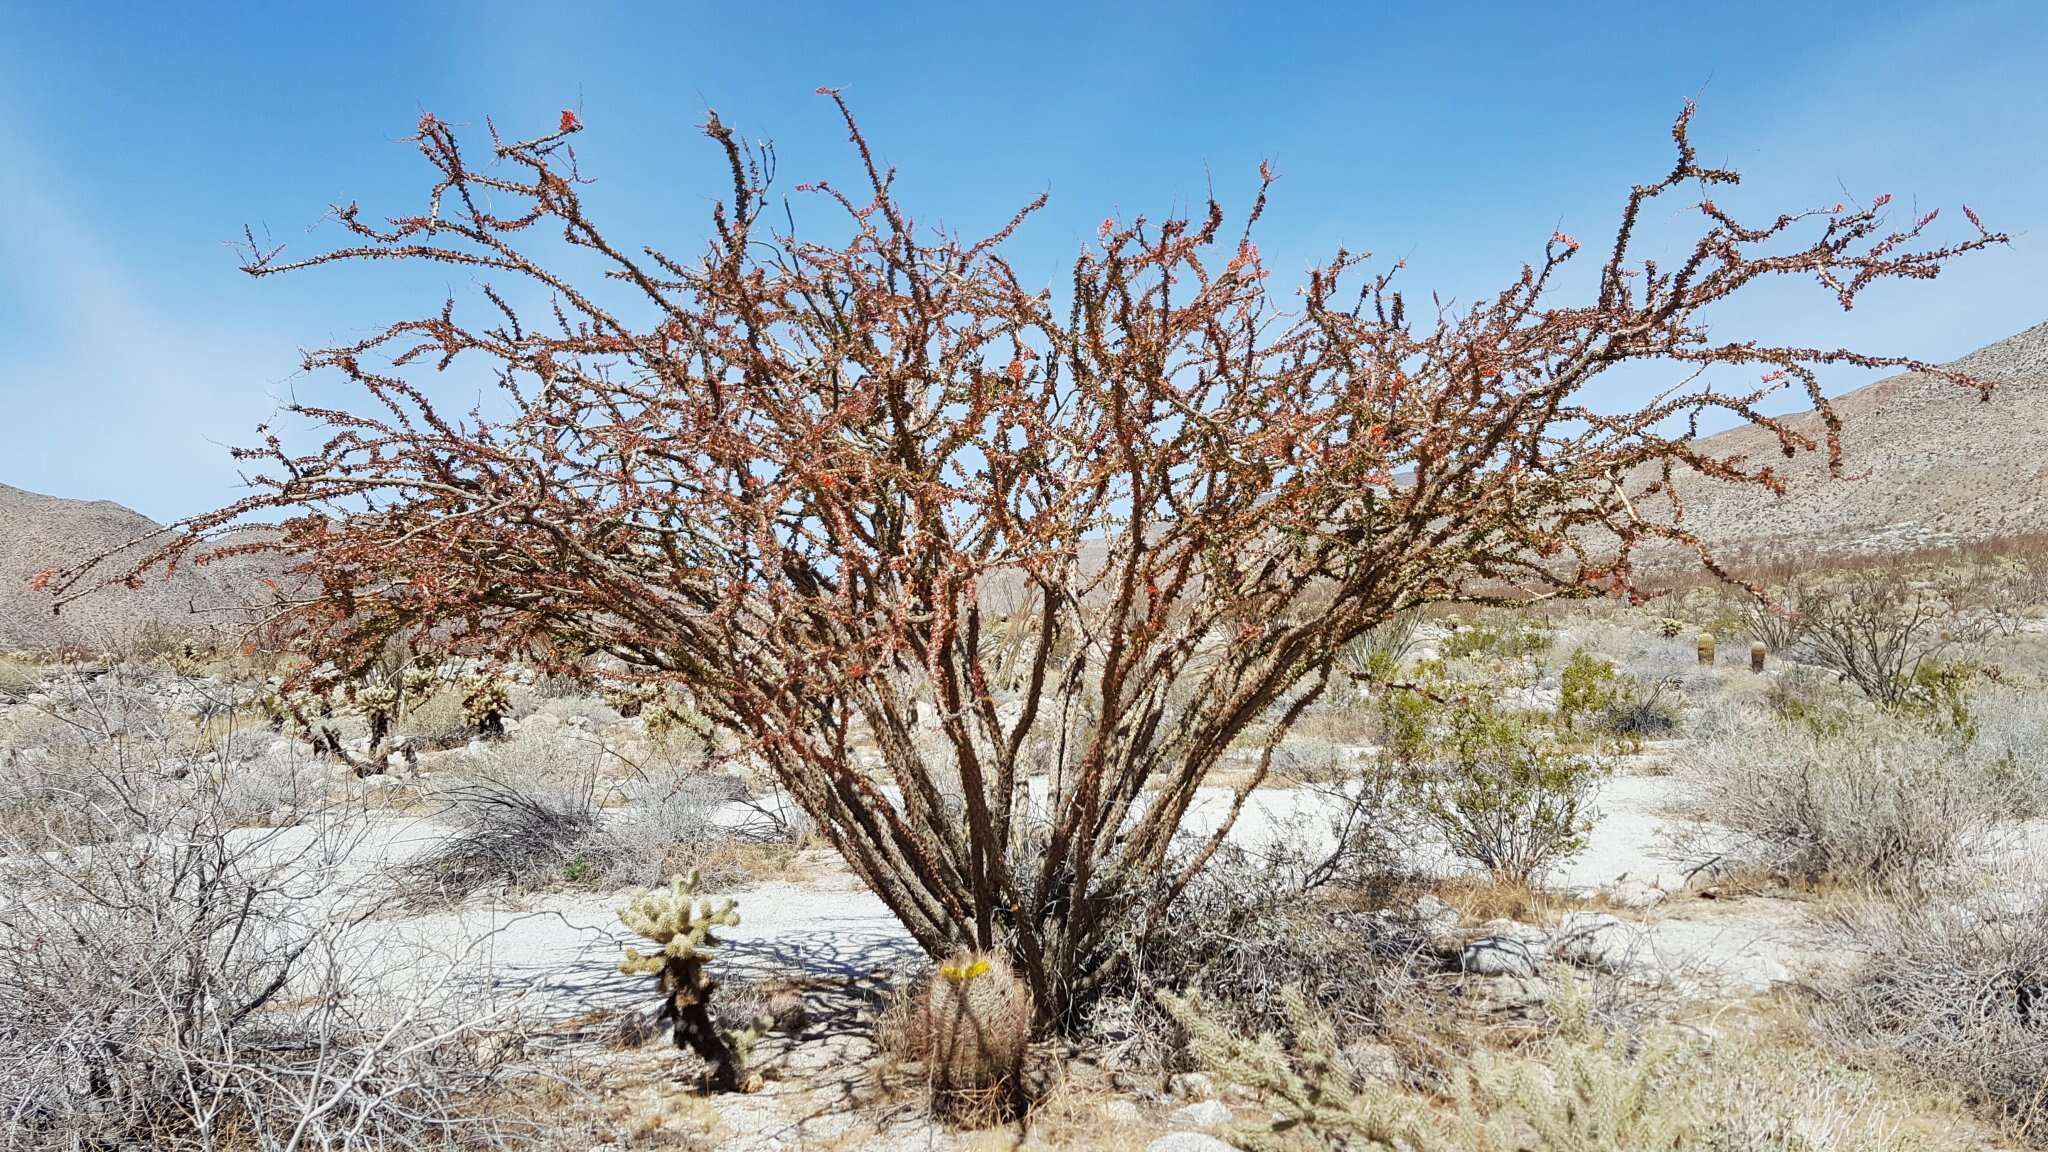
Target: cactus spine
{"points": [[681, 923], [979, 1021], [1706, 646], [1756, 656]]}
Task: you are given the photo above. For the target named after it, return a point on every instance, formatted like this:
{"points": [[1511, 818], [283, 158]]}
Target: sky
{"points": [[140, 140]]}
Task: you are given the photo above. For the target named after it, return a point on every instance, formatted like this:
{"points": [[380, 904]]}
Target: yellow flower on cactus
{"points": [[967, 970]]}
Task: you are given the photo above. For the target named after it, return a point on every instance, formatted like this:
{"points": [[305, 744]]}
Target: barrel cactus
{"points": [[1706, 647], [978, 1022], [1756, 656]]}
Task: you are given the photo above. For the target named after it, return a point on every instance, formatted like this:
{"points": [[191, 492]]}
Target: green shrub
{"points": [[1508, 638], [1938, 693], [436, 718], [1586, 690], [1502, 793]]}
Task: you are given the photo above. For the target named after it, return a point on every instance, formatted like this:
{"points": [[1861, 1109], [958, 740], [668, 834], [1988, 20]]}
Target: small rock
{"points": [[1515, 995], [1191, 1085], [1372, 1061], [1596, 940], [1627, 893], [1529, 936], [1498, 956], [1207, 1114], [1432, 914], [1189, 1142], [635, 1029], [1122, 1111]]}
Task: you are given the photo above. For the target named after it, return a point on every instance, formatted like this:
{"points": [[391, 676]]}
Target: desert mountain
{"points": [[45, 532], [1924, 464]]}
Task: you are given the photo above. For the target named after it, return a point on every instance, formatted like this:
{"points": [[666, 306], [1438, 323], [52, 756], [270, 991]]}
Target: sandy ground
{"points": [[558, 953]]}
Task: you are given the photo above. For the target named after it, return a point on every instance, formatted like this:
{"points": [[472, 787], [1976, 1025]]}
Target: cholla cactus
{"points": [[681, 923], [629, 699], [379, 703], [1706, 647], [485, 701], [978, 1021], [417, 681]]}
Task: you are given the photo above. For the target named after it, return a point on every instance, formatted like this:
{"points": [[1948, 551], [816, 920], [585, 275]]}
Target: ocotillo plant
{"points": [[820, 487]]}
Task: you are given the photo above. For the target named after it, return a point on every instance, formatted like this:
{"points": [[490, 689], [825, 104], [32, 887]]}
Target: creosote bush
{"points": [[815, 481], [1498, 788]]}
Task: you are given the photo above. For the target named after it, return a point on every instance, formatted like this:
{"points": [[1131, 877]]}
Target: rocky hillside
{"points": [[41, 532], [1925, 464]]}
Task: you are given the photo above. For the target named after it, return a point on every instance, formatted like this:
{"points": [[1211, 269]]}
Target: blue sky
{"points": [[140, 141]]}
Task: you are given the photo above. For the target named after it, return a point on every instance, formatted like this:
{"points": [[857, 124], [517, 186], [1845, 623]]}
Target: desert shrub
{"points": [[2010, 726], [18, 678], [1882, 800], [1592, 694], [436, 718], [517, 834], [1502, 793], [540, 810], [122, 740], [1503, 636], [1956, 994], [1938, 692], [1245, 930], [1811, 699], [171, 979], [1641, 709], [1585, 688], [668, 826], [1876, 629]]}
